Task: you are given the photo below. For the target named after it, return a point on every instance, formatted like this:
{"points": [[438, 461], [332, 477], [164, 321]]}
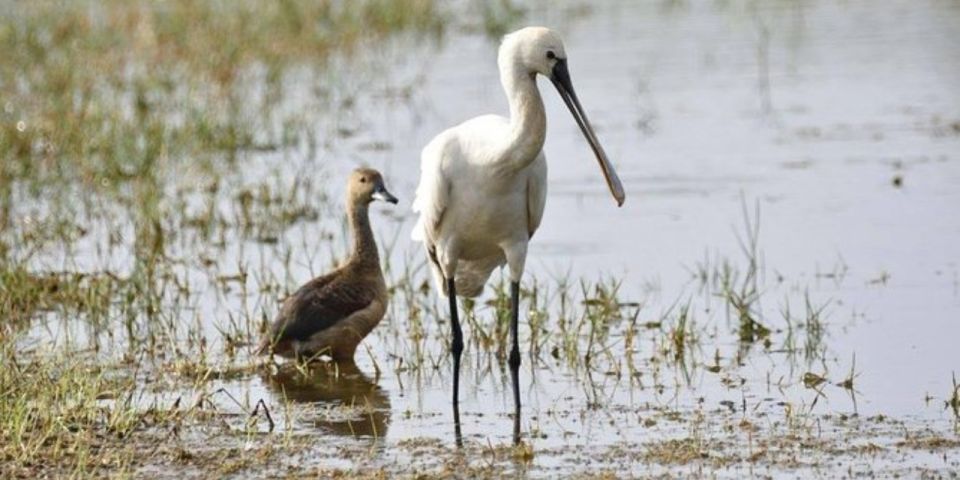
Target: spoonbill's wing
{"points": [[432, 193], [536, 193]]}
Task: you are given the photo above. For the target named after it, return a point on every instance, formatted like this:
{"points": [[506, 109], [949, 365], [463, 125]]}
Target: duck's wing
{"points": [[319, 305]]}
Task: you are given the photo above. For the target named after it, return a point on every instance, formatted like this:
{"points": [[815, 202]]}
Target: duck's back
{"points": [[334, 311]]}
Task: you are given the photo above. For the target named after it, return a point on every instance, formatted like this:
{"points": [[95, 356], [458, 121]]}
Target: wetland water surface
{"points": [[779, 295]]}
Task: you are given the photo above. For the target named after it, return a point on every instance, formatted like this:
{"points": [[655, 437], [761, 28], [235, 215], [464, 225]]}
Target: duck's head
{"points": [[366, 185]]}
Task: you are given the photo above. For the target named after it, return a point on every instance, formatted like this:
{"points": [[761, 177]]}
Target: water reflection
{"points": [[348, 402]]}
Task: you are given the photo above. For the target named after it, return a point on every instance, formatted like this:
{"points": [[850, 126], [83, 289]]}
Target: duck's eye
{"points": [[363, 179], [551, 55]]}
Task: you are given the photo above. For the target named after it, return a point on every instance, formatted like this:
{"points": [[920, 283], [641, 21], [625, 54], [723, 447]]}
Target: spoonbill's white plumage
{"points": [[483, 185]]}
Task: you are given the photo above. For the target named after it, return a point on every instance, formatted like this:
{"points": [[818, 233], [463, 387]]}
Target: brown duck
{"points": [[331, 314]]}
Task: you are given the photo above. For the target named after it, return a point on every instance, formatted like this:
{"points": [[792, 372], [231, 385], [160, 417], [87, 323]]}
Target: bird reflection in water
{"points": [[355, 405]]}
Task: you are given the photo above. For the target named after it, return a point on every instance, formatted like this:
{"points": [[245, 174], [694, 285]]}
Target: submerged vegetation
{"points": [[160, 193], [108, 92], [121, 123]]}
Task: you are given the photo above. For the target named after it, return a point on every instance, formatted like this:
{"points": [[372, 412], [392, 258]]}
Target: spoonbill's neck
{"points": [[528, 121]]}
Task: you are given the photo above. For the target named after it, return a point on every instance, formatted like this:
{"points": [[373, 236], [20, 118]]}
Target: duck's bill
{"points": [[382, 194], [561, 80]]}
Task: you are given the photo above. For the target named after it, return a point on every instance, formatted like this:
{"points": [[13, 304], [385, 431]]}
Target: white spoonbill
{"points": [[483, 186]]}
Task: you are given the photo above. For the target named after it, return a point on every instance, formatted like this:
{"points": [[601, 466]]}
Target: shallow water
{"points": [[858, 95]]}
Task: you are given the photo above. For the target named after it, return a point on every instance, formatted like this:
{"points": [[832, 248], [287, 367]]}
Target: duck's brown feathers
{"points": [[329, 314], [320, 304]]}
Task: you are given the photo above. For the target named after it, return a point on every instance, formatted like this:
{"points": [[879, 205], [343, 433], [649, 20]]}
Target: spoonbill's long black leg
{"points": [[456, 348], [515, 358]]}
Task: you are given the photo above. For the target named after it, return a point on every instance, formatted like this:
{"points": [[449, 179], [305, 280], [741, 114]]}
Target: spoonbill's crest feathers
{"points": [[536, 49]]}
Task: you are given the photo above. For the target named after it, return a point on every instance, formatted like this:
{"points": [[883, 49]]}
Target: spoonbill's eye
{"points": [[551, 55]]}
